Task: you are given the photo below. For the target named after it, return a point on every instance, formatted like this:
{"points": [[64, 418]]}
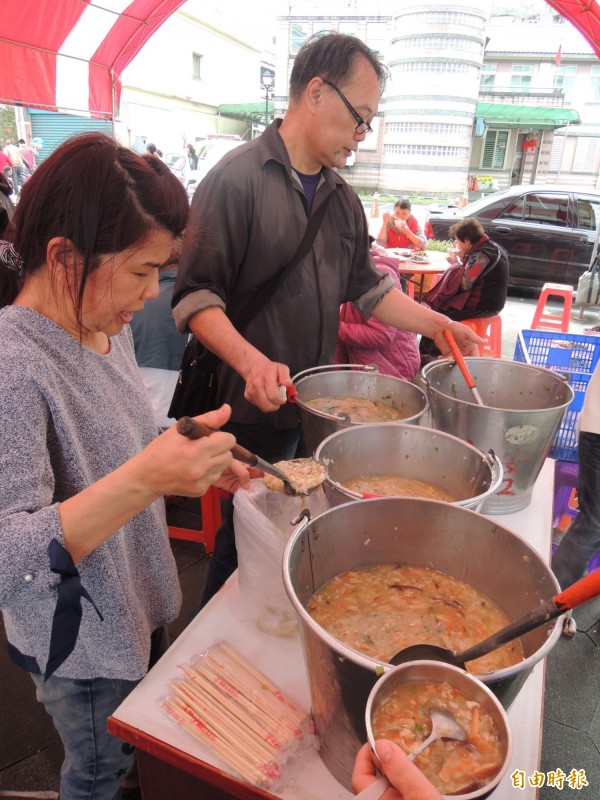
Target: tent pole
{"points": [[113, 104]]}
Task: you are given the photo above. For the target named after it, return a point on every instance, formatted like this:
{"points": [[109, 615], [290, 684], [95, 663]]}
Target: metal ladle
{"points": [[443, 726], [460, 362], [580, 592], [192, 429]]}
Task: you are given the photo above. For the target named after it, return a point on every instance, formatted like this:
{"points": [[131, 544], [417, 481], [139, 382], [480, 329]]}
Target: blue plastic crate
{"points": [[562, 352], [564, 447], [574, 354]]}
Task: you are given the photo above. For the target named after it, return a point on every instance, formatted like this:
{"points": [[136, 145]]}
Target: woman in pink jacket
{"points": [[368, 341]]}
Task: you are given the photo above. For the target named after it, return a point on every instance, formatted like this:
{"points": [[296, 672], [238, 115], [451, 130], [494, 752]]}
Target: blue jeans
{"points": [[581, 542], [271, 444], [96, 763]]}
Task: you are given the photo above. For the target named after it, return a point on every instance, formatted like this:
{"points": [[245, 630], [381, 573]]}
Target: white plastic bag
{"points": [[583, 289], [262, 522]]}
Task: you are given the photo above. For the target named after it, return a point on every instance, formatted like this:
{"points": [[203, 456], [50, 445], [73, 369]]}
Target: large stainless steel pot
{"points": [[408, 451], [524, 406], [348, 380], [392, 530]]}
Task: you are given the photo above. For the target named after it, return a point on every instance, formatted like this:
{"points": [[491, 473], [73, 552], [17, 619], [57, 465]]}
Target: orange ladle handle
{"points": [[458, 357]]}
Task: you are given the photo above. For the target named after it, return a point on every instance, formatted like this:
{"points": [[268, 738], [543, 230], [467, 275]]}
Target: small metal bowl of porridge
{"points": [[399, 709]]}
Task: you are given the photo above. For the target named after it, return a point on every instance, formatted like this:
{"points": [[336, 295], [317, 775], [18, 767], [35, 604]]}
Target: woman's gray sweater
{"points": [[68, 417]]}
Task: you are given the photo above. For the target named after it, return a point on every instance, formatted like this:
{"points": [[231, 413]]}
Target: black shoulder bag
{"points": [[196, 389]]}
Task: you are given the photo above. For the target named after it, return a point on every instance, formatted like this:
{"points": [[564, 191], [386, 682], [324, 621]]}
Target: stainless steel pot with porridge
{"points": [[408, 451], [524, 406], [427, 533], [348, 380]]}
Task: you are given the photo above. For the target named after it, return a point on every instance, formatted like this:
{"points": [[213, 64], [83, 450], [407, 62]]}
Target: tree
{"points": [[8, 125]]}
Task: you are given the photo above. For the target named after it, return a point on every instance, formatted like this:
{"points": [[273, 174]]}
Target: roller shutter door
{"points": [[55, 128]]}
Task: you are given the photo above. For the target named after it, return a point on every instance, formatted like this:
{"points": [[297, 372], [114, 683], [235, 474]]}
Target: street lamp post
{"points": [[267, 84]]}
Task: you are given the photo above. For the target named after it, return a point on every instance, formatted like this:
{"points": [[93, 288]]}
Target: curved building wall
{"points": [[435, 57]]}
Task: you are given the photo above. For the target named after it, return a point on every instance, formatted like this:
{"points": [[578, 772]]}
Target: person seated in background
{"points": [[475, 284], [158, 344], [368, 341], [401, 228], [407, 781]]}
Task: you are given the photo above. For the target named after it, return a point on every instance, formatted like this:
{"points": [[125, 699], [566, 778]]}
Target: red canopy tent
{"points": [[69, 54], [583, 15]]}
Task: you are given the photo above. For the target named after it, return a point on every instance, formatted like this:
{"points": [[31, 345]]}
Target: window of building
{"points": [[425, 150], [196, 66], [441, 42], [594, 88], [494, 150], [428, 127], [487, 76], [564, 79], [447, 17], [586, 154], [520, 76], [349, 28], [323, 27], [430, 65], [299, 33]]}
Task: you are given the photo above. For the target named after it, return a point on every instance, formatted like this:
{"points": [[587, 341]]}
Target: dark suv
{"points": [[549, 231]]}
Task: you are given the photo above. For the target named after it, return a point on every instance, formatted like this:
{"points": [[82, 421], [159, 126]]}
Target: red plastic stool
{"points": [[210, 507], [491, 329], [560, 321]]}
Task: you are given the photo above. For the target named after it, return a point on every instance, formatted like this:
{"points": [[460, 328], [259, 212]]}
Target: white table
{"points": [[140, 721]]}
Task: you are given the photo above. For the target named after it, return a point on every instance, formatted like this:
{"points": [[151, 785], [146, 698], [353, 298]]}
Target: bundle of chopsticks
{"points": [[238, 713]]}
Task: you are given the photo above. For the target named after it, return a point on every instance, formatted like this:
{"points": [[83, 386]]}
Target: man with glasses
{"points": [[247, 219]]}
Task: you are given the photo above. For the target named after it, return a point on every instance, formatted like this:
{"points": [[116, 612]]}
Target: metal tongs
{"points": [[192, 429]]}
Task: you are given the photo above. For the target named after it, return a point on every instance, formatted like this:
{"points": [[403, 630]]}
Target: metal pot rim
{"points": [[491, 461], [463, 677], [381, 667], [370, 369], [442, 362]]}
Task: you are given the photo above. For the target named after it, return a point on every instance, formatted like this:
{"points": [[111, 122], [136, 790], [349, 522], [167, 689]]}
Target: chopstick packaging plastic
{"points": [[239, 714]]}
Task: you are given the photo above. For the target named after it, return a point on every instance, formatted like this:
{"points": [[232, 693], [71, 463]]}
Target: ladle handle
{"points": [[192, 429], [458, 357], [580, 592]]}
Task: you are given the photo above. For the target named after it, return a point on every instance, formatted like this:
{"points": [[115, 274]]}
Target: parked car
{"points": [[549, 231], [208, 155]]}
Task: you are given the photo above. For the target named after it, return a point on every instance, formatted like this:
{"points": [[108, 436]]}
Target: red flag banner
{"points": [[558, 56]]}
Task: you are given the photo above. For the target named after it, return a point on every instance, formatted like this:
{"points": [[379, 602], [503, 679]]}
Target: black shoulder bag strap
{"points": [[263, 293]]}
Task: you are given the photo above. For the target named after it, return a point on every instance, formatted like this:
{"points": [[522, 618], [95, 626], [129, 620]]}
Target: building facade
{"points": [[474, 101]]}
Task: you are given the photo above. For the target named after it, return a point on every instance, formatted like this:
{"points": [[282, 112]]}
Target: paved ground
{"points": [[30, 752]]}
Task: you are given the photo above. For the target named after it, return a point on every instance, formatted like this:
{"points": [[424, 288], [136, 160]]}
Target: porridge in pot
{"points": [[382, 609], [359, 409], [397, 485], [452, 766]]}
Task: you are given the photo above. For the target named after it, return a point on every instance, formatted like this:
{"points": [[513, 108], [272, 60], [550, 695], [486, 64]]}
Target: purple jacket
{"points": [[362, 341]]}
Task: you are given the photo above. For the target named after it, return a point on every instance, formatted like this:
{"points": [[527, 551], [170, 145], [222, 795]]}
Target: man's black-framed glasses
{"points": [[361, 125]]}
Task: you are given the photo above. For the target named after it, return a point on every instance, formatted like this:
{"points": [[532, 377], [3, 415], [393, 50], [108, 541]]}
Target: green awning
{"points": [[500, 115], [250, 111]]}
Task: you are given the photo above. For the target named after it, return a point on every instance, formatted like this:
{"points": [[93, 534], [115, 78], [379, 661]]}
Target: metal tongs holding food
{"points": [[301, 475]]}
